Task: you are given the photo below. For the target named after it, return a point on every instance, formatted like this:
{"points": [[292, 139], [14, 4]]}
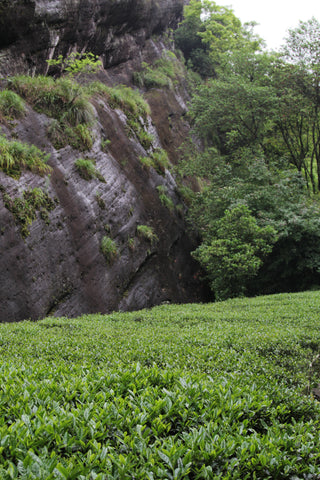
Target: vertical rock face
{"points": [[56, 265], [33, 30]]}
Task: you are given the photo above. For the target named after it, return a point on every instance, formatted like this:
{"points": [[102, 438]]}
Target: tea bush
{"points": [[217, 391]]}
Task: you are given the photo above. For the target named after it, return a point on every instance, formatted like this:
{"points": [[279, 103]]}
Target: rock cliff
{"points": [[55, 262], [32, 31]]}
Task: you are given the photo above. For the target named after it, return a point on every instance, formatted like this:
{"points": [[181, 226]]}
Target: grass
{"points": [[158, 160], [11, 105], [132, 103], [109, 249], [218, 391], [16, 156], [165, 200], [87, 169], [162, 74], [26, 208], [147, 232], [122, 97], [64, 100]]}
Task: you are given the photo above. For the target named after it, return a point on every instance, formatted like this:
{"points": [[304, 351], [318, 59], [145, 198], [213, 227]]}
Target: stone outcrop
{"points": [[31, 31], [59, 267]]}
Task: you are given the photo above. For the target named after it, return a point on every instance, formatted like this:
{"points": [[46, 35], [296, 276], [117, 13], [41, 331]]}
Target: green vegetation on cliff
{"points": [[186, 391], [16, 156]]}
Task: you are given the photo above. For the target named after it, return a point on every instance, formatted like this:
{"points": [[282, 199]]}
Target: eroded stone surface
{"points": [[31, 31], [59, 268]]}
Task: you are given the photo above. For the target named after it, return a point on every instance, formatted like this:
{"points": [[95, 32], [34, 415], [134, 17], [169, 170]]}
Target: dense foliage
{"points": [[257, 115], [202, 392]]}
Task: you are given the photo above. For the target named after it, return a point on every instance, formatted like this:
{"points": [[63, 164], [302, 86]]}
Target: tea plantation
{"points": [[218, 391]]}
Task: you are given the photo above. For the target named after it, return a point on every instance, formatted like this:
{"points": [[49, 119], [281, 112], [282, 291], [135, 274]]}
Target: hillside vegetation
{"points": [[257, 114], [217, 391]]}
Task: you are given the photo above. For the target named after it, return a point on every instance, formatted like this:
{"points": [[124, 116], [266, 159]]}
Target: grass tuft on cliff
{"points": [[26, 208], [163, 73], [16, 156], [134, 106], [182, 391], [64, 100], [11, 105], [122, 97]]}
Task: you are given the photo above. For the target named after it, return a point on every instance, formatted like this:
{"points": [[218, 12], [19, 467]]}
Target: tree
{"points": [[274, 198], [235, 251], [76, 64], [234, 111], [299, 79], [260, 128], [206, 33]]}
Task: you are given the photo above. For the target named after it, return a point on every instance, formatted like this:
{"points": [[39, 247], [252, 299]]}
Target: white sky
{"points": [[275, 17]]}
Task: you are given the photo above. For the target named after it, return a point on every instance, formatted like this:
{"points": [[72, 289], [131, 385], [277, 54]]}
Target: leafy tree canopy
{"points": [[208, 32]]}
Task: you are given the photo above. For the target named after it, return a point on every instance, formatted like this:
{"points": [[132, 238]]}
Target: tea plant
{"points": [[178, 391]]}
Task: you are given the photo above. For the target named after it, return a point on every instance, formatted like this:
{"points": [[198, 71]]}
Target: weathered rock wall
{"points": [[32, 31], [59, 267]]}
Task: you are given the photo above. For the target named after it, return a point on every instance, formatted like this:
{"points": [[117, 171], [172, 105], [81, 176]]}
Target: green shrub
{"points": [[131, 243], [105, 144], [79, 111], [146, 162], [109, 249], [145, 138], [147, 232], [11, 105], [235, 252], [16, 156], [62, 134], [57, 98], [102, 204], [87, 169], [77, 64]]}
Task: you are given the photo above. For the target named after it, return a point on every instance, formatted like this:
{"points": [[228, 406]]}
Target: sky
{"points": [[275, 17]]}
